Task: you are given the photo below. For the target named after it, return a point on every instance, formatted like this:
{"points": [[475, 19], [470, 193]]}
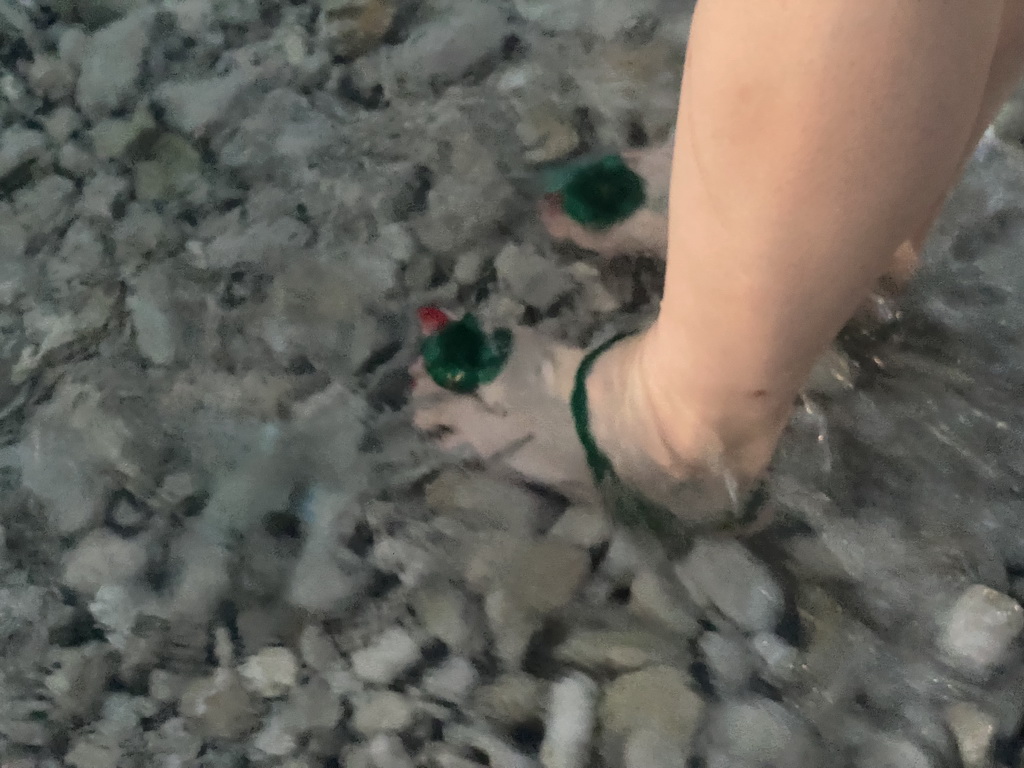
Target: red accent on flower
{"points": [[432, 320]]}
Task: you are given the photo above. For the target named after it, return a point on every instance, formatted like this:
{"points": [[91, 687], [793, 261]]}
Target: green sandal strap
{"points": [[627, 505]]}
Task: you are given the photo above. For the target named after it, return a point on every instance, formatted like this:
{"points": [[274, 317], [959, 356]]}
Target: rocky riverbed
{"points": [[224, 545]]}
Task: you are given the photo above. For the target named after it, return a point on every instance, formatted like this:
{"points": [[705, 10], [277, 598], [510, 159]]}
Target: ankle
{"points": [[741, 426]]}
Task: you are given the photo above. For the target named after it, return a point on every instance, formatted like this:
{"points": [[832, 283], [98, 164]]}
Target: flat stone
{"points": [[659, 698], [350, 28], [381, 712], [103, 558], [980, 627], [19, 148], [653, 596], [453, 680], [975, 731], [762, 732], [112, 63], [483, 502], [512, 698], [221, 706], [529, 277], [195, 106], [724, 574], [545, 574], [569, 725], [271, 673], [389, 656], [620, 649]]}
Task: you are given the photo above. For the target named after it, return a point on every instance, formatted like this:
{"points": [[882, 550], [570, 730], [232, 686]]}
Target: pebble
{"points": [[115, 609], [980, 627], [87, 752], [658, 698], [445, 613], [620, 650], [272, 672], [762, 732], [389, 656], [51, 78], [112, 64], [531, 278], [350, 28], [653, 596], [586, 527], [381, 712], [483, 502], [79, 681], [726, 575], [512, 626], [893, 752], [778, 658], [511, 699], [19, 147], [569, 724], [102, 558], [195, 106], [117, 137], [648, 748], [974, 731], [444, 51], [221, 706], [543, 575], [153, 316], [453, 680], [102, 195]]}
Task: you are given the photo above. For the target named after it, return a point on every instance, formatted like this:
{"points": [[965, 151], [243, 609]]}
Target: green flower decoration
{"points": [[603, 193], [461, 356]]}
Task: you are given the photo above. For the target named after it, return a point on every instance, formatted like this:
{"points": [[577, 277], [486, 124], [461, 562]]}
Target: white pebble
{"points": [[272, 672], [980, 628], [570, 722], [393, 653]]}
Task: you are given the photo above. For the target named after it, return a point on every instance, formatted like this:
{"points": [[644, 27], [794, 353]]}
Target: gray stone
{"points": [[350, 28], [529, 277], [980, 627], [194, 107], [19, 148], [975, 731], [728, 660], [124, 138], [389, 656], [511, 699], [761, 732], [45, 206], [893, 752], [381, 712], [220, 706], [103, 558], [112, 64], [79, 681], [442, 52], [623, 647], [483, 502], [156, 332], [544, 575], [445, 613], [51, 78], [174, 169], [658, 698], [62, 123], [727, 576], [653, 596], [569, 725], [271, 673], [452, 681]]}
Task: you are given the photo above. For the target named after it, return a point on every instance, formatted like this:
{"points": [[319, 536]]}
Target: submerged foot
{"points": [[522, 419]]}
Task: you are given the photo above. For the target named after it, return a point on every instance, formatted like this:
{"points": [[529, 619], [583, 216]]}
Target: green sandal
{"points": [[460, 357], [626, 504]]}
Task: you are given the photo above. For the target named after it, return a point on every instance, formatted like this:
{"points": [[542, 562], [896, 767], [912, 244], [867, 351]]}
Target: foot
{"points": [[522, 419], [646, 231]]}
